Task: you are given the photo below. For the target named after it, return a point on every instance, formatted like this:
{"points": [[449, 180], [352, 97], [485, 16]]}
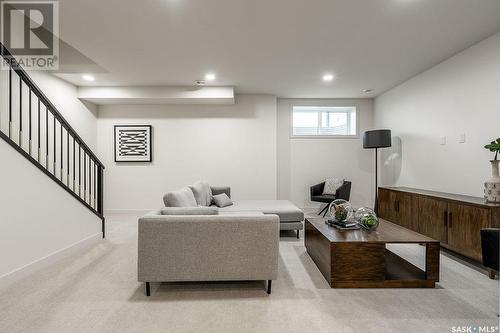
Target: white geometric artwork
{"points": [[133, 143]]}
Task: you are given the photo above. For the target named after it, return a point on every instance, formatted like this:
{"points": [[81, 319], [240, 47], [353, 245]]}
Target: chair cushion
{"points": [[332, 185], [200, 210], [202, 193], [323, 198], [286, 211], [221, 200], [180, 198]]}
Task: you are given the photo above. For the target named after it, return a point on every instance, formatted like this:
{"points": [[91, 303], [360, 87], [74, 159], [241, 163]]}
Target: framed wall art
{"points": [[133, 143]]}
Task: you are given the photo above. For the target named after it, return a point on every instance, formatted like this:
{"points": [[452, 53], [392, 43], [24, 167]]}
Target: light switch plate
{"points": [[442, 140], [461, 138]]}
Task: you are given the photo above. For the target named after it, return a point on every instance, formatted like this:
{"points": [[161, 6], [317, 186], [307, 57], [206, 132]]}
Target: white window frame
{"points": [[324, 104]]}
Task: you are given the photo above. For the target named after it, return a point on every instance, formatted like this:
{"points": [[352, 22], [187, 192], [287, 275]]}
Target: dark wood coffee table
{"points": [[360, 259]]}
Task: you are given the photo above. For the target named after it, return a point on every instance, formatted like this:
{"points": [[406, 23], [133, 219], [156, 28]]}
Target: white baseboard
{"points": [[26, 270]]}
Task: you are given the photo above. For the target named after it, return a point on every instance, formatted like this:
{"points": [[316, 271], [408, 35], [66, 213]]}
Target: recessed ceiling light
{"points": [[367, 91], [88, 77], [210, 77], [328, 77]]}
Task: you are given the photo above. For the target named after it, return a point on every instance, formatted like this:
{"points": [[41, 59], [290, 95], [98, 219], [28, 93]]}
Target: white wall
{"points": [[38, 218], [82, 116], [231, 145], [305, 162], [460, 95]]}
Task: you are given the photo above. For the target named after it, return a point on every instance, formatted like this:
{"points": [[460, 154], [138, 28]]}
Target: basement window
{"points": [[323, 121]]}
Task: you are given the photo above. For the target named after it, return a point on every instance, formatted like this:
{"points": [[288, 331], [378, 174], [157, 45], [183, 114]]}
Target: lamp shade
{"points": [[377, 139]]}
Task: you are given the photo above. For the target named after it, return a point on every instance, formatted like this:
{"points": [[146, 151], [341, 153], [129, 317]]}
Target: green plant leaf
{"points": [[494, 147]]}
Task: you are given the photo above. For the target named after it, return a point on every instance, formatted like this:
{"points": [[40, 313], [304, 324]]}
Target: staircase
{"points": [[37, 130]]}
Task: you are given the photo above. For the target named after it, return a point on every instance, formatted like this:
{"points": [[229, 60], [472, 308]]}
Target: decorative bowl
{"points": [[340, 210], [367, 218]]}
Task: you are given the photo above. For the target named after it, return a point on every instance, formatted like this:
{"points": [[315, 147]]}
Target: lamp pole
{"points": [[377, 139]]}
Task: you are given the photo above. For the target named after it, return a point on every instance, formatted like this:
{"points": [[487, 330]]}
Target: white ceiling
{"points": [[279, 47]]}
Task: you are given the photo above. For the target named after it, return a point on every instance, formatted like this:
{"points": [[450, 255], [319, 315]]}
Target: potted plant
{"points": [[340, 213], [367, 218], [492, 186], [340, 210]]}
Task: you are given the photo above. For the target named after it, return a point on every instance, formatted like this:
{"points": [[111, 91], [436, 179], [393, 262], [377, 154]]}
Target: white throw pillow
{"points": [[332, 185], [180, 198], [202, 193], [221, 200]]}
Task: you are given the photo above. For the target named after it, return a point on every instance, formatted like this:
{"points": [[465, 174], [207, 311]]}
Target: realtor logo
{"points": [[29, 31]]}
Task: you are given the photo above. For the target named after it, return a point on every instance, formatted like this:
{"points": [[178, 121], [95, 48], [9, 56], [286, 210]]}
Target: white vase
{"points": [[492, 186]]}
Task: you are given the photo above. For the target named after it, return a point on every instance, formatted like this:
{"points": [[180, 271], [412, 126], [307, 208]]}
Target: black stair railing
{"points": [[37, 130]]}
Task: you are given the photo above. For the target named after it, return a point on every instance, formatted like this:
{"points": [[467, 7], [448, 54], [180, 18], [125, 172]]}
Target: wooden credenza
{"points": [[454, 220]]}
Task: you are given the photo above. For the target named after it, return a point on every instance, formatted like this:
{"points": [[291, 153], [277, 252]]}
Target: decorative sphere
{"points": [[340, 210], [367, 218]]}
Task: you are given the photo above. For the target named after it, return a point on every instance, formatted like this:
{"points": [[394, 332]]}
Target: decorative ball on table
{"points": [[340, 210], [367, 218]]}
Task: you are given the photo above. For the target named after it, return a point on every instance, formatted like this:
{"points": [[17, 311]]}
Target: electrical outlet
{"points": [[461, 138]]}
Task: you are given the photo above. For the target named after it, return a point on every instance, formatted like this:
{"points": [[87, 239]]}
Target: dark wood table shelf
{"points": [[453, 219], [360, 259]]}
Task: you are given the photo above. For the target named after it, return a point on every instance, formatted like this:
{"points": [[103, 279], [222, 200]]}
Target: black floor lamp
{"points": [[377, 139]]}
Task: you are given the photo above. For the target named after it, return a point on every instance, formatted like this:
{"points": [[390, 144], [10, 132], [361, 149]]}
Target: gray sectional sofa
{"points": [[192, 240], [174, 248], [290, 216]]}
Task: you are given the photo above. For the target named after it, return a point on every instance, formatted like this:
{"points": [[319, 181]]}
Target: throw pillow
{"points": [[180, 198], [222, 200], [332, 185], [190, 210], [202, 193]]}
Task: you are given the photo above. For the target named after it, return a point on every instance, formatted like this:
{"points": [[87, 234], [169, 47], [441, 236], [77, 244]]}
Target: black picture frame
{"points": [[149, 144]]}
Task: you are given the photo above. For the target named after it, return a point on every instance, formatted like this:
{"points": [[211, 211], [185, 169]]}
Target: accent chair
{"points": [[343, 192]]}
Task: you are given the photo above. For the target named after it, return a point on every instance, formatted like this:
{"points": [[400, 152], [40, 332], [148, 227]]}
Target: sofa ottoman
{"points": [[290, 216]]}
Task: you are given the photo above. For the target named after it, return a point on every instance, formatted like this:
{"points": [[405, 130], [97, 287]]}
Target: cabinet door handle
{"points": [[395, 205], [450, 220], [398, 205], [445, 218]]}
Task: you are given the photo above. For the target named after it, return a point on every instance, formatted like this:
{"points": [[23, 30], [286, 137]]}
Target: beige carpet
{"points": [[97, 291]]}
